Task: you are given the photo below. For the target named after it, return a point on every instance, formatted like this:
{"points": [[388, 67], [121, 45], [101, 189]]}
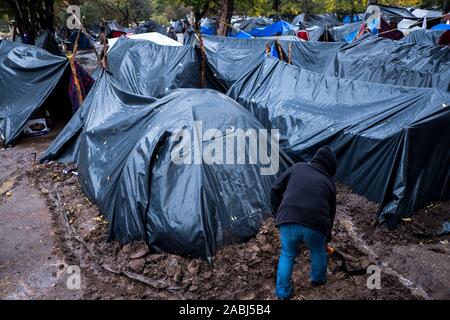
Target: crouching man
{"points": [[304, 203]]}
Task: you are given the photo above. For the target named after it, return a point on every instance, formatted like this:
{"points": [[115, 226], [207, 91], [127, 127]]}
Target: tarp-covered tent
{"points": [[250, 24], [154, 37], [371, 58], [276, 29], [146, 68], [113, 29], [84, 43], [391, 142], [319, 20], [126, 154], [376, 59], [28, 77], [319, 34], [229, 58], [45, 40], [149, 26], [340, 33], [313, 56], [208, 27], [423, 36], [390, 12]]}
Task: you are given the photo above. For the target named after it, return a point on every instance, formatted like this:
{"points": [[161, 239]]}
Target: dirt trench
{"points": [[60, 227]]}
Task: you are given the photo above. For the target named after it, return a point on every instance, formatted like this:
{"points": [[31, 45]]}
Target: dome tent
{"points": [[31, 79], [124, 151]]}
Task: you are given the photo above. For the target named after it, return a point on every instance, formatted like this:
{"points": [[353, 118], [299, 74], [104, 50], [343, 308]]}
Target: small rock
{"points": [[153, 258], [244, 268], [126, 248], [193, 288], [246, 295], [136, 265], [193, 267], [172, 266], [139, 254]]}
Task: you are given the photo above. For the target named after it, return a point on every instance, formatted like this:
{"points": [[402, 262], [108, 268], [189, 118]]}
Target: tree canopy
{"points": [[31, 14]]}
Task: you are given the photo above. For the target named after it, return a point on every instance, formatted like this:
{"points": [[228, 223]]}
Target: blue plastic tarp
{"points": [[278, 28], [242, 35], [441, 26], [347, 19]]}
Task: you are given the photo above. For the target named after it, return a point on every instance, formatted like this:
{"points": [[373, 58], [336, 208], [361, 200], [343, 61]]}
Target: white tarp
{"points": [[154, 37]]}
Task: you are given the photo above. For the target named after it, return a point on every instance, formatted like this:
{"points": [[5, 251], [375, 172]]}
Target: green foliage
{"points": [[162, 11]]}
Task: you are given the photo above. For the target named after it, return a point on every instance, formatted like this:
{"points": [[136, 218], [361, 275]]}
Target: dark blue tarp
{"points": [[376, 59], [423, 36], [381, 133], [84, 43], [28, 75], [150, 69], [208, 27], [124, 148]]}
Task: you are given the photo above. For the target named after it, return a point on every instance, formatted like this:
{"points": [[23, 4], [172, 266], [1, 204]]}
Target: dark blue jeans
{"points": [[291, 235]]}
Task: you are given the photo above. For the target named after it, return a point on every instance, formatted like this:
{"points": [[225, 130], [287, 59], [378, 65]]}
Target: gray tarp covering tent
{"points": [[229, 58], [376, 59], [147, 68], [320, 20], [371, 59], [150, 26], [313, 56], [28, 75], [125, 142], [340, 32], [390, 12], [391, 142], [423, 36]]}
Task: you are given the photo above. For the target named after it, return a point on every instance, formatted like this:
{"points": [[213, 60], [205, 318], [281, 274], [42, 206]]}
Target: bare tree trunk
{"points": [[225, 14], [32, 16]]}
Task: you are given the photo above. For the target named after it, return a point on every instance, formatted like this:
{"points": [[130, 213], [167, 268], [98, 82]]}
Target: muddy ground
{"points": [[47, 225]]}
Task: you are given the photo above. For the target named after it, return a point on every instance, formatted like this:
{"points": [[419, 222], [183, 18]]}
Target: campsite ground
{"points": [[47, 224]]}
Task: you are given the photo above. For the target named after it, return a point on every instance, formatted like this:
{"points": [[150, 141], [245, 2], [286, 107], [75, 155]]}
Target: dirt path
{"points": [[47, 224], [30, 266]]}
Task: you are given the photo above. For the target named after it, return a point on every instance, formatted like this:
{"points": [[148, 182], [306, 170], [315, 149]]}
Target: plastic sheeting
{"points": [[123, 145], [208, 27], [146, 68], [376, 59], [371, 59], [250, 24], [229, 58], [314, 56], [381, 133], [422, 36], [150, 26], [276, 29], [340, 33], [319, 20], [27, 77], [441, 26]]}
